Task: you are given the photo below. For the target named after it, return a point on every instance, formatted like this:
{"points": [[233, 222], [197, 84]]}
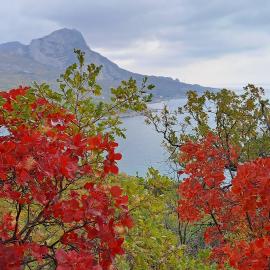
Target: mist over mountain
{"points": [[45, 58]]}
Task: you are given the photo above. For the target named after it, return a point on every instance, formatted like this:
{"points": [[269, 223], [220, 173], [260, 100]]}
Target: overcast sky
{"points": [[210, 42]]}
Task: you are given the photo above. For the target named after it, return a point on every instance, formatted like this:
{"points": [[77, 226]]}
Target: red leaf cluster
{"points": [[51, 219], [237, 208]]}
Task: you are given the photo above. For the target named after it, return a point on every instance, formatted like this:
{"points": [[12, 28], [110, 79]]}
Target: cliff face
{"points": [[56, 49], [45, 58]]}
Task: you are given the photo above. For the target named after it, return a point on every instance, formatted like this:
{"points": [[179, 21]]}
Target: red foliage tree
{"points": [[236, 209], [55, 210]]}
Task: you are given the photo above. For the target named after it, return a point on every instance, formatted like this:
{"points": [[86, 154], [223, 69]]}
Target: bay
{"points": [[142, 147]]}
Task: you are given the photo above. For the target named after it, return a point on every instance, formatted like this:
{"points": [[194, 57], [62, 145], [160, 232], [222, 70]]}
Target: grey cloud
{"points": [[186, 30], [207, 28]]}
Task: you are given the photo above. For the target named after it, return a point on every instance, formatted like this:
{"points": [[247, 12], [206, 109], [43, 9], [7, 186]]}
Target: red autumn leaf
{"points": [[266, 251], [114, 169], [127, 221], [117, 156], [116, 191], [23, 177]]}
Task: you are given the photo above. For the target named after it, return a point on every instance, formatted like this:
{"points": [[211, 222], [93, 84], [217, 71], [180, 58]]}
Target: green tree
{"points": [[154, 241], [239, 120], [80, 94]]}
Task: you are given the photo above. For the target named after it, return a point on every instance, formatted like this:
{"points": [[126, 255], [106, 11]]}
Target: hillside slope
{"points": [[45, 58]]}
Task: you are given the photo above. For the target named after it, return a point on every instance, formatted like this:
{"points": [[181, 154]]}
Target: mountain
{"points": [[44, 59]]}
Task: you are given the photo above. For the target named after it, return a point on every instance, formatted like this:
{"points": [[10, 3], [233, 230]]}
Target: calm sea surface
{"points": [[142, 147]]}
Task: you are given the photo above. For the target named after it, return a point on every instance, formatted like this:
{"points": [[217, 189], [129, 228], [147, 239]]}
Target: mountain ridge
{"points": [[45, 58]]}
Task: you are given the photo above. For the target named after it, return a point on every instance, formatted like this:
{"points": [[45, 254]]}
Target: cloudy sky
{"points": [[210, 42]]}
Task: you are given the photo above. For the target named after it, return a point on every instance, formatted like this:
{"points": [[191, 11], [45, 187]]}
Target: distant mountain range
{"points": [[44, 59]]}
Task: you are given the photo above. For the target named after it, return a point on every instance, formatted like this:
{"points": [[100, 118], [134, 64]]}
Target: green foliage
{"points": [[80, 94], [240, 120], [153, 243]]}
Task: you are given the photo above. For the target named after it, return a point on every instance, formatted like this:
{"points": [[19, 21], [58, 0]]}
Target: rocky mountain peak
{"points": [[56, 49], [65, 37], [47, 57]]}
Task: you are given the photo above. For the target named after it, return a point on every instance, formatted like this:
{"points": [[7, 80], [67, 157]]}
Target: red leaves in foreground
{"points": [[237, 209], [55, 211]]}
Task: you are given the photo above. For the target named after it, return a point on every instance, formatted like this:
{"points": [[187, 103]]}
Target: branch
{"points": [[264, 114], [17, 220]]}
